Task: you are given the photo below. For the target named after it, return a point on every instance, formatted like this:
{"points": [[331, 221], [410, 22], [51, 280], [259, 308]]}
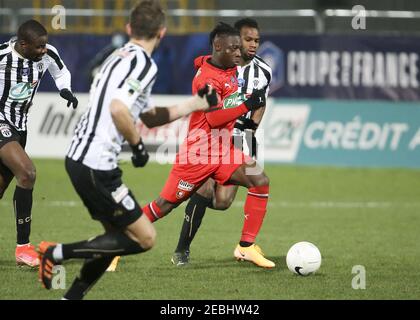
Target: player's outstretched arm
{"points": [[217, 117], [158, 116]]}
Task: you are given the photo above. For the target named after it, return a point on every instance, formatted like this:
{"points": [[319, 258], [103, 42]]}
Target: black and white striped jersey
{"points": [[128, 75], [253, 76], [20, 78]]}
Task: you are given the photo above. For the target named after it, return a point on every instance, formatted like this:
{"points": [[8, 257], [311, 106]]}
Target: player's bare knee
{"points": [[27, 177], [223, 204], [266, 181], [148, 241], [262, 180], [259, 181], [205, 192]]}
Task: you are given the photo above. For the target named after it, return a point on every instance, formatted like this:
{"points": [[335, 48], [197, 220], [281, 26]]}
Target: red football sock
{"points": [[152, 211], [255, 209]]}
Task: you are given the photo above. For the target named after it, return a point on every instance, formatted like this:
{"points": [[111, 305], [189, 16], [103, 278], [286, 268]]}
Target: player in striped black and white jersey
{"points": [[119, 95], [128, 74], [23, 62], [253, 74]]}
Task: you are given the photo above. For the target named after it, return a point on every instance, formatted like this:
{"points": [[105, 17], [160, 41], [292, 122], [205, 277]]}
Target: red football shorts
{"points": [[185, 179]]}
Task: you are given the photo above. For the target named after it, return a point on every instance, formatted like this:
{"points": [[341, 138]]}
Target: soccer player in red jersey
{"points": [[207, 151], [253, 74]]}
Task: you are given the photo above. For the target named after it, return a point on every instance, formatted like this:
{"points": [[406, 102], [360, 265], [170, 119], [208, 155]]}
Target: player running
{"points": [[207, 151], [23, 62], [253, 74], [120, 94]]}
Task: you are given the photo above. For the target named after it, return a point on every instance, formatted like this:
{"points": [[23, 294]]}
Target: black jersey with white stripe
{"points": [[253, 76], [127, 75], [20, 78]]}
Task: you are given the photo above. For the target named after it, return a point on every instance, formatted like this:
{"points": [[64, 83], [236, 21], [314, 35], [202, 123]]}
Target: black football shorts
{"points": [[104, 194], [8, 133]]}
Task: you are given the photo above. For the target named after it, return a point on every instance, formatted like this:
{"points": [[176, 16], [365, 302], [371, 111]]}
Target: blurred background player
{"points": [[209, 137], [120, 95], [23, 62], [253, 74]]}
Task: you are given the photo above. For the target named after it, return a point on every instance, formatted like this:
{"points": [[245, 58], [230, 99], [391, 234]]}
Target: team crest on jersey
{"points": [[40, 67], [128, 203], [5, 130], [241, 82], [180, 194], [255, 83]]}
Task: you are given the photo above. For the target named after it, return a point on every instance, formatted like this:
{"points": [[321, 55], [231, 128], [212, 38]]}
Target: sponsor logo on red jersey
{"points": [[186, 186]]}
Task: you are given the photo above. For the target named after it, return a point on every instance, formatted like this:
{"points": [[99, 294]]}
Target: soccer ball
{"points": [[303, 258]]}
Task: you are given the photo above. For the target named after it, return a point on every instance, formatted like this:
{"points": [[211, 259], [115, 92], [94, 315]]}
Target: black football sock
{"points": [[22, 203], [245, 244], [106, 245], [92, 270], [194, 214]]}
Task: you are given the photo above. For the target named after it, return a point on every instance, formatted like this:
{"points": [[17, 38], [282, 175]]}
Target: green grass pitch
{"points": [[368, 217]]}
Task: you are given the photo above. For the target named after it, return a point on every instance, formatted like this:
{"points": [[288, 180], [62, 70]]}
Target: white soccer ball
{"points": [[303, 258]]}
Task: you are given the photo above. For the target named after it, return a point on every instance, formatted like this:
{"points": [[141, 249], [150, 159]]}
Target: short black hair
{"points": [[246, 22], [30, 30], [222, 29], [146, 19]]}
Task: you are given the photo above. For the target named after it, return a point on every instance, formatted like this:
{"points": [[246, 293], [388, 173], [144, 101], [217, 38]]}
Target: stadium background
{"points": [[342, 101]]}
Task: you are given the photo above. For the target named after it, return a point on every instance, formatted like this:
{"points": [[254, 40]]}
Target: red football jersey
{"points": [[203, 139]]}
